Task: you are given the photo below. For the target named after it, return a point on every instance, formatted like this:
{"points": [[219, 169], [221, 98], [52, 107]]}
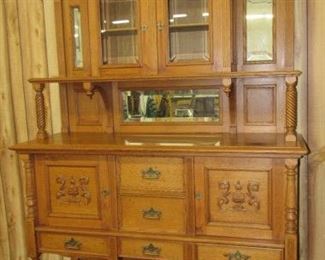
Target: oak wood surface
{"points": [[233, 74], [262, 144]]}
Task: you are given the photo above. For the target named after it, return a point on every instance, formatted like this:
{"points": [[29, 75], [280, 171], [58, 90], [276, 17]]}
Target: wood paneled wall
{"points": [[316, 129], [28, 48]]}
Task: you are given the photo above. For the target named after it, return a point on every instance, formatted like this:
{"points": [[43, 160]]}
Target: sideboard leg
{"points": [[291, 239], [30, 207]]}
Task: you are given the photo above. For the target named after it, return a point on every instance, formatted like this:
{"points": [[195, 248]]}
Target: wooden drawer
{"points": [[148, 249], [77, 244], [212, 252], [146, 214], [151, 174]]}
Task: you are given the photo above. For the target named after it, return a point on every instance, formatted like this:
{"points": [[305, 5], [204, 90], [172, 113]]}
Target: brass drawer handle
{"points": [[72, 244], [151, 174], [237, 256], [151, 214], [151, 250]]}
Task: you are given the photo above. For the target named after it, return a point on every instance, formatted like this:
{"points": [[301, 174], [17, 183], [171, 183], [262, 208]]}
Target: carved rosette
{"points": [[73, 190], [238, 197], [40, 111], [291, 199], [291, 108]]}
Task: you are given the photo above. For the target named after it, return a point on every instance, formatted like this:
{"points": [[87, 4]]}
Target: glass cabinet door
{"points": [[119, 32], [188, 31]]}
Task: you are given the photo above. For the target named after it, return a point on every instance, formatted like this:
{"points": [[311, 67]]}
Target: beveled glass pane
{"points": [[259, 30], [77, 38], [188, 30], [119, 31], [185, 105]]}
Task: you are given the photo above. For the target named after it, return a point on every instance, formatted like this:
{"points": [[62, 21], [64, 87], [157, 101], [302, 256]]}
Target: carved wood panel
{"points": [[74, 190], [236, 197]]}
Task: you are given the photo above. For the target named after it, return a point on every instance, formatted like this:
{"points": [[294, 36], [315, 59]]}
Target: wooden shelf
{"points": [[218, 75], [188, 26], [117, 30], [215, 143]]}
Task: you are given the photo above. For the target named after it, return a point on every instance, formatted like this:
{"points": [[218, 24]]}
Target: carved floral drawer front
{"points": [[148, 249], [77, 244], [212, 252], [236, 197], [151, 174], [146, 214], [74, 191]]}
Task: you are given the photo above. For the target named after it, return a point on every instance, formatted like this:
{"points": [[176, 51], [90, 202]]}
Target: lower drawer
{"points": [[149, 249], [77, 244], [212, 252], [155, 215]]}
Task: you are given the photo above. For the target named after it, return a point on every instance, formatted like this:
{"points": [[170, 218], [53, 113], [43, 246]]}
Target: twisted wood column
{"points": [[291, 109], [291, 243], [30, 207], [40, 111]]}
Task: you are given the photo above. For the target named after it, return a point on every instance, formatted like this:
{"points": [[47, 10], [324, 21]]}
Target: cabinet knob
{"points": [[72, 244], [144, 28], [151, 250], [105, 193], [151, 214], [198, 195], [160, 26]]}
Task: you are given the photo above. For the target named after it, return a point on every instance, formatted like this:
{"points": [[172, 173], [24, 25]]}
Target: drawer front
{"points": [[77, 244], [74, 191], [132, 248], [151, 174], [239, 197], [146, 214], [238, 253]]}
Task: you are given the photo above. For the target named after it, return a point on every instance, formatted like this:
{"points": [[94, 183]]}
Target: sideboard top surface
{"points": [[264, 144]]}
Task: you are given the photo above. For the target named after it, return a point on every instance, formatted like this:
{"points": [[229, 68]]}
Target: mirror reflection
{"points": [[182, 105], [259, 30], [77, 37]]}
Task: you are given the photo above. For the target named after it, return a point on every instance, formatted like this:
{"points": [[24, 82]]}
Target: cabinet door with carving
{"points": [[75, 191], [240, 197]]}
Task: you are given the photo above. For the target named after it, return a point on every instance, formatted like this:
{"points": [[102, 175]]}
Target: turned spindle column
{"points": [[40, 111], [291, 109], [30, 207], [291, 242]]}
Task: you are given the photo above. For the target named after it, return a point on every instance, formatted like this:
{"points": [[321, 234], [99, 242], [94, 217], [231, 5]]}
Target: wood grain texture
{"points": [[316, 137]]}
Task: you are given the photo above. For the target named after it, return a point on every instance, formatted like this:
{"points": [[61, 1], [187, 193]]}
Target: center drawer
{"points": [[150, 249], [147, 214], [158, 174]]}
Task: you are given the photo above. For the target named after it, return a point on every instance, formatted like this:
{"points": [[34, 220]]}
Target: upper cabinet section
{"points": [[128, 38], [264, 34]]}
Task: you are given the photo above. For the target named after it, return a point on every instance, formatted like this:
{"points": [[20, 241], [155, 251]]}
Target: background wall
{"points": [[28, 49], [316, 129]]}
